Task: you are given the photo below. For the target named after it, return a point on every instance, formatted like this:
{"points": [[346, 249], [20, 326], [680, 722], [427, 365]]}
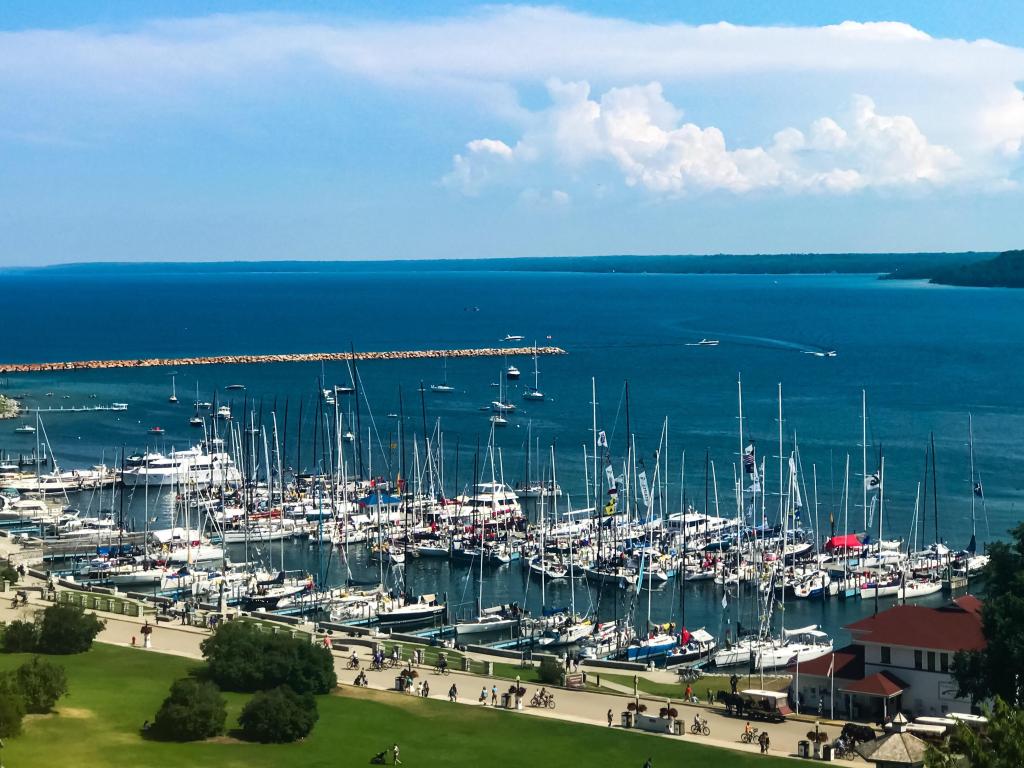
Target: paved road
{"points": [[579, 706]]}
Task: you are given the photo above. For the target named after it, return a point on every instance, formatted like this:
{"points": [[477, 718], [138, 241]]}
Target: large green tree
{"points": [[999, 745], [998, 670], [241, 657], [194, 710]]}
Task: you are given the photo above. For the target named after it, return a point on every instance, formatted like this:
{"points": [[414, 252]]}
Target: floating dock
{"points": [[299, 357]]}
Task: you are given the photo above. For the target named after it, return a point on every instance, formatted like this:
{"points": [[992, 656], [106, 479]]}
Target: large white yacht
{"points": [[201, 465]]}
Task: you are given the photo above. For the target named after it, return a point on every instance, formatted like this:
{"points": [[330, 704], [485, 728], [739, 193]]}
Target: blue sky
{"points": [[451, 129]]}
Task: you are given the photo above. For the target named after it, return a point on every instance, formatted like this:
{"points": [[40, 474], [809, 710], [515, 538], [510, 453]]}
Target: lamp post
{"points": [[517, 696]]}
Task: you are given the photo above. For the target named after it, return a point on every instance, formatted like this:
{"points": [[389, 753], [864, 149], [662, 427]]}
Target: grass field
{"points": [[700, 687], [113, 690]]}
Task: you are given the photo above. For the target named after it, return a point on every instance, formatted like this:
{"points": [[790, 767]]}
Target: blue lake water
{"points": [[926, 355]]}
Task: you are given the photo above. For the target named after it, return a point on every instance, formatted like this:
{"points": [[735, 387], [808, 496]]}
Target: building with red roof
{"points": [[899, 660]]}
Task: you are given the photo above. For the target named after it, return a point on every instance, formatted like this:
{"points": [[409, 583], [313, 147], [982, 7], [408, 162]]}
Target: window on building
{"points": [[886, 654], [918, 660], [931, 661], [944, 662]]}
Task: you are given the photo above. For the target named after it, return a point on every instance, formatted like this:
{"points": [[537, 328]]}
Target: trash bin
{"points": [[677, 728], [466, 664], [627, 719], [489, 668], [826, 753], [803, 748], [506, 701]]}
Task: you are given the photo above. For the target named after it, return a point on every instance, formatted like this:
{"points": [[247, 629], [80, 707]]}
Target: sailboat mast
{"points": [[864, 451]]}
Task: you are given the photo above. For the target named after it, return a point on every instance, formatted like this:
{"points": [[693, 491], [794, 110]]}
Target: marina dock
{"points": [[304, 357]]}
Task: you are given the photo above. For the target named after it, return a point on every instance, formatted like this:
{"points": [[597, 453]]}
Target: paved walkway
{"points": [[583, 706]]}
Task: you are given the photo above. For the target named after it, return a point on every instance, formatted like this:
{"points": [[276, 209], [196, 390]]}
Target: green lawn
{"points": [[113, 690], [676, 690]]}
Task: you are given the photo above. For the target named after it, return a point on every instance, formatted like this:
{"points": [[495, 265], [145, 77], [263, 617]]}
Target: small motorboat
{"points": [[235, 386], [25, 429], [156, 430], [513, 337]]}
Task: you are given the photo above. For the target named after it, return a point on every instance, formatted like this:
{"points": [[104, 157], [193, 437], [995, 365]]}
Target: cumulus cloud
{"points": [[953, 109], [640, 133]]}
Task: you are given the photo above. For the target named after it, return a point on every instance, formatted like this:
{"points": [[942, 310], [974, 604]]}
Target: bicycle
{"points": [[690, 675], [353, 664], [749, 738], [391, 662], [844, 753], [441, 670], [543, 702], [701, 729]]}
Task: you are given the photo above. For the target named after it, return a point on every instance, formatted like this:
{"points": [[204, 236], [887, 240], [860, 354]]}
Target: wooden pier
{"points": [[298, 357]]}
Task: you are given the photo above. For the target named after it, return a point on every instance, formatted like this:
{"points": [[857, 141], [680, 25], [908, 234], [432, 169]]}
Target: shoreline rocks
{"points": [[298, 357]]}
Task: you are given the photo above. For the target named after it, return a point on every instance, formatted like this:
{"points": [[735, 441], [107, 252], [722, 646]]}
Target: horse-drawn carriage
{"points": [[756, 704]]}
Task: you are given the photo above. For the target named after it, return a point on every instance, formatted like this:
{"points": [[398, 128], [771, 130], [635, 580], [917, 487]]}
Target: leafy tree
{"points": [[550, 671], [999, 745], [41, 683], [8, 573], [240, 657], [278, 716], [194, 710], [21, 637], [998, 670], [12, 710], [67, 629]]}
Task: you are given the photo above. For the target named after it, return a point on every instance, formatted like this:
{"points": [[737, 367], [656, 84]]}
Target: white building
{"points": [[899, 661]]}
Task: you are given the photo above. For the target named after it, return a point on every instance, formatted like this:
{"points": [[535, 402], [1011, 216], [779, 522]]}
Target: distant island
{"points": [[965, 268], [1006, 270]]}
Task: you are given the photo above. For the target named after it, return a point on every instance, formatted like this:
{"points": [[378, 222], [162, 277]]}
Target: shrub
{"points": [[12, 710], [21, 637], [67, 629], [278, 716], [240, 657], [550, 671], [8, 573], [194, 710], [41, 683]]}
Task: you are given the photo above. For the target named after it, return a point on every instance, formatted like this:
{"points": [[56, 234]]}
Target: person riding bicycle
{"points": [[394, 654], [746, 731], [697, 724], [442, 662], [840, 745], [354, 661]]}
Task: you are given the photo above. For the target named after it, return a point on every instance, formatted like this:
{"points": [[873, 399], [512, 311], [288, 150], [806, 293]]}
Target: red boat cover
{"points": [[849, 541]]}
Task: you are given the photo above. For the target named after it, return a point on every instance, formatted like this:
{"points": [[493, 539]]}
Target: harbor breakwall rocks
{"points": [[301, 357]]}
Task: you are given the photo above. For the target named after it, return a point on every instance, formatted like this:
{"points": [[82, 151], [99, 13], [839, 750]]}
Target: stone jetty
{"points": [[301, 357]]}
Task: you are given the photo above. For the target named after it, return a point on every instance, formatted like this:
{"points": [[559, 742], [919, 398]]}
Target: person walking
{"points": [[767, 743], [396, 754], [426, 689], [761, 741], [689, 693], [453, 694], [494, 695], [483, 695], [611, 718], [147, 633]]}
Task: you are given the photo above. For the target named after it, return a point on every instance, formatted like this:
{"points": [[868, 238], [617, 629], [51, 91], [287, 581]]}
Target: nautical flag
{"points": [[725, 601], [609, 508], [978, 490], [749, 460], [602, 439], [871, 482], [645, 492], [610, 474]]}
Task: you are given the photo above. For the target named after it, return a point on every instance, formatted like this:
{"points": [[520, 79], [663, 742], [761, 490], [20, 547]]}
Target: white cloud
{"points": [[962, 95], [639, 132]]}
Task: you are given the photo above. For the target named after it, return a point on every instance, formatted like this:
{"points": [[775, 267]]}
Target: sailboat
{"points": [[534, 392], [174, 395], [445, 387], [196, 420]]}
